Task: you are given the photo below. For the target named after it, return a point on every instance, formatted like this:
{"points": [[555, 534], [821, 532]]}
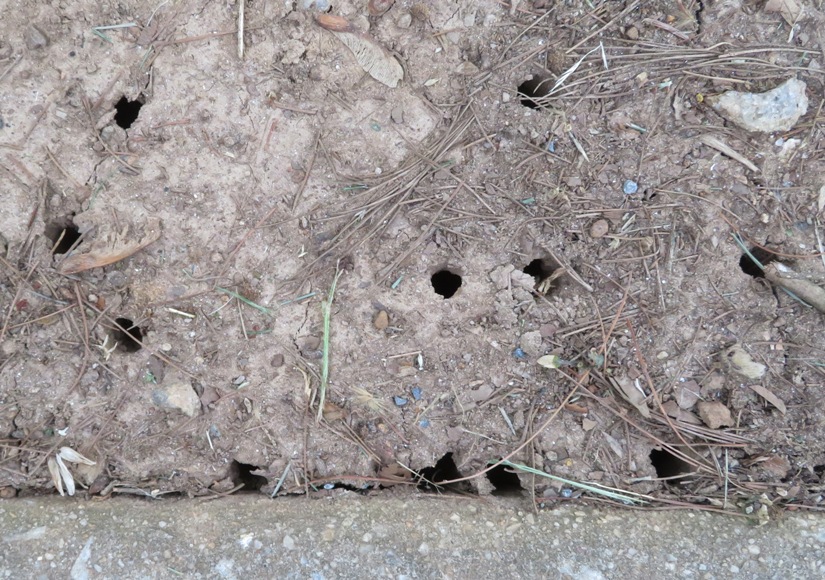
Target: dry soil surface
{"points": [[200, 249]]}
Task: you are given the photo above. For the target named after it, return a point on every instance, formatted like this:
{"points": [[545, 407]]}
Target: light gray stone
{"points": [[776, 110]]}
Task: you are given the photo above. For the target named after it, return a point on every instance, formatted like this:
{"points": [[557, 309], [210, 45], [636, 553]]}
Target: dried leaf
{"points": [[673, 410], [66, 475], [55, 472], [805, 290], [373, 58], [110, 249], [769, 397], [551, 361], [588, 424], [789, 9], [395, 472], [69, 454], [632, 394]]}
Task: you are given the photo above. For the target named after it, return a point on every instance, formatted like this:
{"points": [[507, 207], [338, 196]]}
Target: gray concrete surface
{"points": [[354, 537]]}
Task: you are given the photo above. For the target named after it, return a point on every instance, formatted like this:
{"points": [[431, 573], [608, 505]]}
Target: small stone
{"points": [[629, 187], [277, 360], [7, 492], [289, 543], [776, 110], [687, 394], [381, 320], [309, 343], [36, 38], [178, 395], [405, 20], [531, 343], [632, 33], [599, 229], [715, 414], [397, 115]]}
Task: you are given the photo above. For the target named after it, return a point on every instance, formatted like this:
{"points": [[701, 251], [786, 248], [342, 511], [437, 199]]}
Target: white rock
{"points": [[776, 110], [178, 395]]}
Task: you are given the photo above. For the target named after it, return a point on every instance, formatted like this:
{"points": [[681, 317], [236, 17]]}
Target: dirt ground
{"points": [[174, 218]]}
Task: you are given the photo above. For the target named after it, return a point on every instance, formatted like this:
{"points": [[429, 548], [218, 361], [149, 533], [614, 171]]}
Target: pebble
{"points": [[289, 543], [776, 110], [178, 395], [599, 229], [629, 187], [319, 5], [397, 115], [632, 33], [405, 20], [381, 320], [36, 38], [277, 360], [531, 343], [7, 492]]}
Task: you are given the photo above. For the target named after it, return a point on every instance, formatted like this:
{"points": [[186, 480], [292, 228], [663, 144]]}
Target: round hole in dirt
{"points": [[126, 111], [532, 90], [444, 469], [241, 473], [504, 480], [128, 339], [446, 283], [63, 235], [750, 267], [539, 269], [542, 269], [667, 464]]}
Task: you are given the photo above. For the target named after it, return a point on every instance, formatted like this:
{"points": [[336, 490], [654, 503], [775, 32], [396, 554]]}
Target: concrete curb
{"points": [[432, 537]]}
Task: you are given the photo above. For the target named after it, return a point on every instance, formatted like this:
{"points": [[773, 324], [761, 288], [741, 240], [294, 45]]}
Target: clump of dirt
{"points": [[545, 182]]}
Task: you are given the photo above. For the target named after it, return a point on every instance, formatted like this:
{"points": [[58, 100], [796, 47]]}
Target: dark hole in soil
{"points": [[128, 341], [241, 473], [750, 268], [445, 469], [539, 269], [668, 465], [532, 90], [127, 111], [504, 481], [446, 283], [63, 234]]}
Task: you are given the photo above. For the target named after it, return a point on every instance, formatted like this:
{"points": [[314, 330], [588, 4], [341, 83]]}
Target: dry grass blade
{"points": [[724, 148], [326, 309], [609, 492]]}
